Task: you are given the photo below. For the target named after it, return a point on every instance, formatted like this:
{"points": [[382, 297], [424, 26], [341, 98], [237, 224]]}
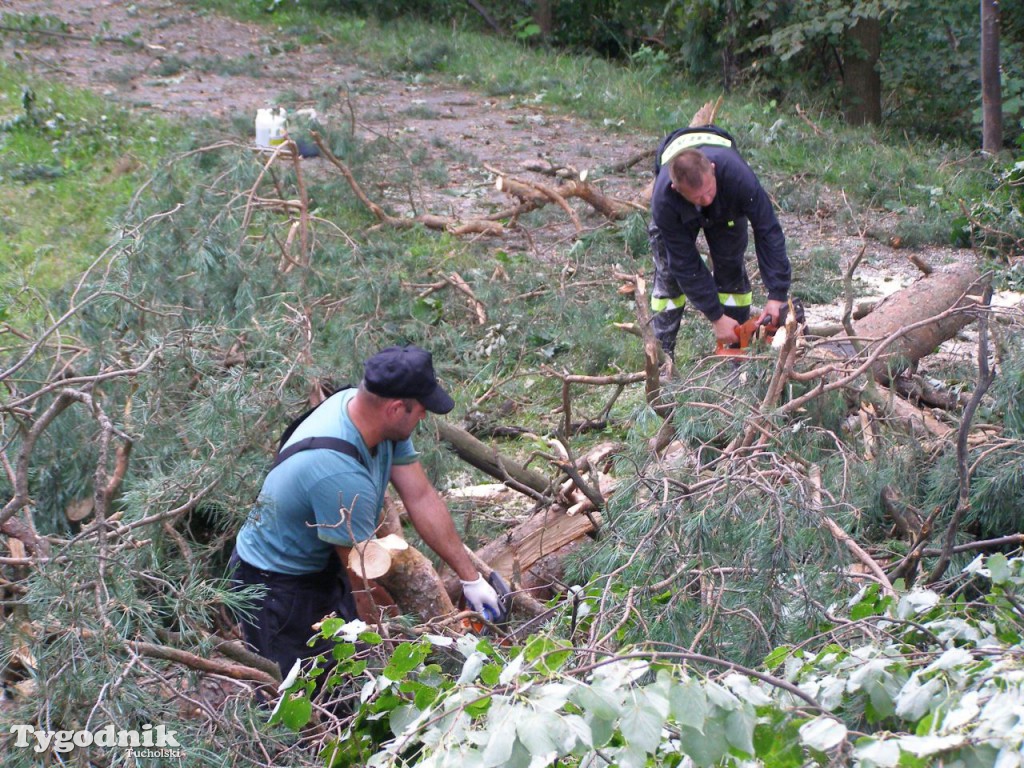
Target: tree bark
{"points": [[544, 18], [928, 297], [489, 460], [991, 87], [862, 83], [486, 16], [415, 585]]}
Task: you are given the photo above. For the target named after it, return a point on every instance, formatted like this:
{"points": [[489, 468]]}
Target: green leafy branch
{"points": [[926, 680]]}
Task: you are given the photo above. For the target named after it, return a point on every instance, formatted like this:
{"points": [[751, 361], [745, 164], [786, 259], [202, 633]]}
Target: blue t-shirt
{"points": [[319, 498]]}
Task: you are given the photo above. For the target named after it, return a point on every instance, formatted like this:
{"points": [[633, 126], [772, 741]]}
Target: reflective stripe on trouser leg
{"points": [[667, 299], [659, 304], [736, 305], [736, 299], [728, 244]]}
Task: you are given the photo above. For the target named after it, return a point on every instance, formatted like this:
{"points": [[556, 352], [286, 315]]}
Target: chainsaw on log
{"points": [[761, 330]]}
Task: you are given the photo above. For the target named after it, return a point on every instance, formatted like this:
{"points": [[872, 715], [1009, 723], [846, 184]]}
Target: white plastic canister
{"points": [[271, 127]]}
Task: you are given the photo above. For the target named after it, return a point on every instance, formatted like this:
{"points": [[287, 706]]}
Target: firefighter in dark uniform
{"points": [[702, 183]]}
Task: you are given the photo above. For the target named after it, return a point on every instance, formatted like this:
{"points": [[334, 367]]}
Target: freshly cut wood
{"points": [[541, 535], [706, 114], [79, 509], [414, 584], [523, 191], [931, 296], [369, 560], [372, 559]]}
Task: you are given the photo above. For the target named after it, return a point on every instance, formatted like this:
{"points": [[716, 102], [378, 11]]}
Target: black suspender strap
{"points": [[334, 443]]}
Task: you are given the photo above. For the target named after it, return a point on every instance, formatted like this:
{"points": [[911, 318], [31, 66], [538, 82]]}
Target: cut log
{"points": [[415, 585], [931, 296], [541, 535], [373, 558], [546, 577]]}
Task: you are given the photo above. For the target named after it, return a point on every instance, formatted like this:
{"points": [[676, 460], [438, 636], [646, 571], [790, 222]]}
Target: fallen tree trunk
{"points": [[916, 420], [489, 460], [931, 296], [543, 534]]}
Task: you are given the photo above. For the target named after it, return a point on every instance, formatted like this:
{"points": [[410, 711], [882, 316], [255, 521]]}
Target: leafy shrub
{"points": [[856, 694]]}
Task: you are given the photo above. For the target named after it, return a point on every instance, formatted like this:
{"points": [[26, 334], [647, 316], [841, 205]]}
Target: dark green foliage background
{"points": [[790, 51]]}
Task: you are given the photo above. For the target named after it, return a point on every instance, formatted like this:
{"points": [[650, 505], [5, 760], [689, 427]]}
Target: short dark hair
{"points": [[689, 168]]}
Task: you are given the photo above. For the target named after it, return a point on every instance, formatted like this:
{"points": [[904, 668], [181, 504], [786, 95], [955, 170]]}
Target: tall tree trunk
{"points": [[543, 17], [991, 88], [862, 83]]}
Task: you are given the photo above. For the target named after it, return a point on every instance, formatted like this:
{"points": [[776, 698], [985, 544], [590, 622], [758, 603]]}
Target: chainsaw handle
{"points": [[745, 333]]}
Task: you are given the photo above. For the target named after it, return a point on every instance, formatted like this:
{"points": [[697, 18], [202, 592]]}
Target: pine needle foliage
{"points": [[200, 331]]}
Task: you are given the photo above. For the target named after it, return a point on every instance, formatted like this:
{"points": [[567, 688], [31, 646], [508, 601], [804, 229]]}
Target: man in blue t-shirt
{"points": [[319, 502], [702, 184]]}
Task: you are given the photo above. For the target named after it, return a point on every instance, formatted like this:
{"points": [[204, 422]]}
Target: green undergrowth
{"points": [[69, 164]]}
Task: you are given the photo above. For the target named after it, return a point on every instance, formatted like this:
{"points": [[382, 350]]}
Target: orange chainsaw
{"points": [[762, 330]]}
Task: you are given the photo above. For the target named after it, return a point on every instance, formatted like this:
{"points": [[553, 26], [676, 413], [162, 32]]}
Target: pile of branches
{"points": [[732, 507]]}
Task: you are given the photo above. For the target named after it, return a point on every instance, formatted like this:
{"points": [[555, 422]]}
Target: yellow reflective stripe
{"points": [[661, 304], [687, 140], [736, 299]]}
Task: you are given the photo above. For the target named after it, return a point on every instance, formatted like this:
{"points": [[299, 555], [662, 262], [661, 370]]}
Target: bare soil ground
{"points": [[179, 70]]}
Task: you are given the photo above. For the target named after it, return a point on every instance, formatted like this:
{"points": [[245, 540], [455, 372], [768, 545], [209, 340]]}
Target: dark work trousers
{"points": [[280, 623], [728, 245]]}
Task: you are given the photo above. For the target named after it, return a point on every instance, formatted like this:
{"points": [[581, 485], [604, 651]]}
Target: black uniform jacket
{"points": [[740, 197]]}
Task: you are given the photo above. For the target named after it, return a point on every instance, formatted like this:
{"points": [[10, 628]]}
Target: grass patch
{"points": [[70, 162], [818, 276], [36, 28]]}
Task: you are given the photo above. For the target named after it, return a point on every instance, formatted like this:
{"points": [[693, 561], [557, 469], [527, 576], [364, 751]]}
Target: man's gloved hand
{"points": [[481, 597]]}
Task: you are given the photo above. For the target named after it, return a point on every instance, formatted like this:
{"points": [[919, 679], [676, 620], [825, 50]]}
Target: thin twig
{"points": [[986, 375]]}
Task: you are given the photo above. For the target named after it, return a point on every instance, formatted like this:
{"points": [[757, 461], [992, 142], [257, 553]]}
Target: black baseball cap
{"points": [[406, 372]]}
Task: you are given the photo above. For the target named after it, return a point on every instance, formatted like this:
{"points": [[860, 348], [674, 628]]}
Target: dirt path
{"points": [[180, 70], [193, 64]]}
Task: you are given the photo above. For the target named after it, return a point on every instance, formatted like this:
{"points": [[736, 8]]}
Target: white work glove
{"points": [[481, 597]]}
